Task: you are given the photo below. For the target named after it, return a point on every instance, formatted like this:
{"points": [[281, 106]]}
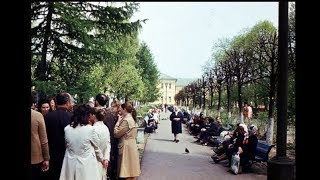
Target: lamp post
{"points": [[204, 92], [211, 90], [200, 92], [166, 84], [219, 81]]}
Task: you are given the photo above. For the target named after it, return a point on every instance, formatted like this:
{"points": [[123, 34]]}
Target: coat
{"points": [[104, 145], [176, 127], [128, 157], [39, 141], [56, 121], [80, 159]]}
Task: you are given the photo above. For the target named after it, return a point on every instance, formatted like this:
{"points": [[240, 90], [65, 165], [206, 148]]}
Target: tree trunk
{"points": [[269, 135], [211, 98], [229, 100], [219, 99], [204, 99], [42, 68], [240, 101]]}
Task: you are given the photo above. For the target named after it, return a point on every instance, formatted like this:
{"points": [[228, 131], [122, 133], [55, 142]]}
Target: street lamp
{"points": [[204, 91], [166, 84]]}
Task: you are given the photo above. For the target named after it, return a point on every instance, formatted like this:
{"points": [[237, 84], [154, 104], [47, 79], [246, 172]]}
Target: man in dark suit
{"points": [[176, 118], [56, 121]]}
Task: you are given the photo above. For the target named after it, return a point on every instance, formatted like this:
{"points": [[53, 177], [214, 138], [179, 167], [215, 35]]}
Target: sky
{"points": [[181, 35]]}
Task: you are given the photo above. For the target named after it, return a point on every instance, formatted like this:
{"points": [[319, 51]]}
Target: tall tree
{"points": [[126, 81], [148, 72], [241, 66], [263, 41], [70, 37]]}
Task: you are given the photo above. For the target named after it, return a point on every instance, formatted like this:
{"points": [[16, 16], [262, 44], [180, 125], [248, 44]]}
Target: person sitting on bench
{"points": [[249, 147]]}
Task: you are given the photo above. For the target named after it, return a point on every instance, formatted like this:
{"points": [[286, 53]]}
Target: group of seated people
{"points": [[203, 128], [152, 119], [242, 141]]}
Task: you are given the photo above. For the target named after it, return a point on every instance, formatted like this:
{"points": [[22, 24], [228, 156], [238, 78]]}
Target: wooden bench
{"points": [[262, 153]]}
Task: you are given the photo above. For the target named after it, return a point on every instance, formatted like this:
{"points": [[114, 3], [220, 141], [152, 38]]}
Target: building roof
{"points": [[166, 77], [184, 81]]}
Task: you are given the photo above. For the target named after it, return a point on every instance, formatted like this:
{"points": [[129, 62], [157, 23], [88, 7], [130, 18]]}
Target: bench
{"points": [[262, 153]]}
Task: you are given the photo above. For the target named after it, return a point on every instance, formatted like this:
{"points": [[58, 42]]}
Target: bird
{"points": [[186, 150]]}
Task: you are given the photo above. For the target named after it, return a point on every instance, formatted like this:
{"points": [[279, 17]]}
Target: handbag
{"points": [[235, 163]]}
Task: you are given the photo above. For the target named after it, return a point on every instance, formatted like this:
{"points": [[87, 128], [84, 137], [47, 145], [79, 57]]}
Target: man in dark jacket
{"points": [[56, 121]]}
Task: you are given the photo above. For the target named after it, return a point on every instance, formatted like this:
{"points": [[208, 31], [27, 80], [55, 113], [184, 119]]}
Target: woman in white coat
{"points": [[80, 159], [104, 139]]}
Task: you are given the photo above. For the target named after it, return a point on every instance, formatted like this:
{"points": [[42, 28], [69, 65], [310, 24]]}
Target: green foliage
{"points": [[50, 88], [69, 38], [91, 83], [126, 82], [149, 73], [142, 111]]}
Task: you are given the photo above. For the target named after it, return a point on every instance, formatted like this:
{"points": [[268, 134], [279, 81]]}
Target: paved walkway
{"points": [[164, 159]]}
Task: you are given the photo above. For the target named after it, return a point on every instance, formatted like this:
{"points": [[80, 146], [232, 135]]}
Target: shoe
{"points": [[177, 140], [174, 140], [216, 160]]}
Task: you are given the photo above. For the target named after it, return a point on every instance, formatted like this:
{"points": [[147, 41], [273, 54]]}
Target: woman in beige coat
{"points": [[126, 131]]}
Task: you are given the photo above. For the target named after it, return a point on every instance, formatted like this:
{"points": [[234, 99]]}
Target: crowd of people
{"points": [[227, 143], [83, 142]]}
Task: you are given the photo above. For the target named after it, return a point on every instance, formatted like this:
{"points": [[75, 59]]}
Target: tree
{"points": [[149, 73], [126, 82], [70, 37], [263, 41], [241, 66]]}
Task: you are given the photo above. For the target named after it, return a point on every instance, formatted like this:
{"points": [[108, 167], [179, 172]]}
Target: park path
{"points": [[164, 159]]}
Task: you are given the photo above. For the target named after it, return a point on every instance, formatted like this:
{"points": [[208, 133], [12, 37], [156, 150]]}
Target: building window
{"points": [[162, 85], [169, 98], [169, 85]]}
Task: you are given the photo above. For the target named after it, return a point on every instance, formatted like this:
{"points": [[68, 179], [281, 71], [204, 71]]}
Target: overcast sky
{"points": [[180, 35]]}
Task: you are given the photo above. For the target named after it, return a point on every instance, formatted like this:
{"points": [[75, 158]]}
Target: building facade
{"points": [[169, 87]]}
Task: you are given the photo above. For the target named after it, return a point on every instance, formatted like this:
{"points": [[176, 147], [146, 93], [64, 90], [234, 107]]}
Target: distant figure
{"points": [[250, 113], [165, 107], [176, 119]]}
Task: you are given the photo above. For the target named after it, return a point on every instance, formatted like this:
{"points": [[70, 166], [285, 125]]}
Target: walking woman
{"points": [[126, 131], [176, 128]]}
